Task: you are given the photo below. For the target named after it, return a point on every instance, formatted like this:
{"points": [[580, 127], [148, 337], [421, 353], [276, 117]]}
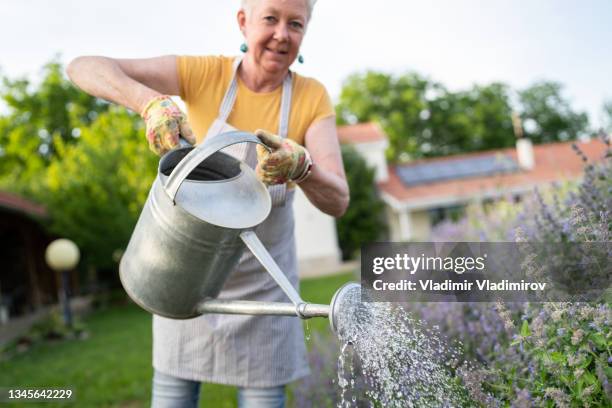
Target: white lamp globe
{"points": [[62, 255]]}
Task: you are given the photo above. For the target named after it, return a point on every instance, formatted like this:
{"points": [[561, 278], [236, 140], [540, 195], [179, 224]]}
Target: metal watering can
{"points": [[191, 233]]}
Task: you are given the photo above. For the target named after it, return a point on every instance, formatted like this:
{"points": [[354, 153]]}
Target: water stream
{"points": [[389, 359]]}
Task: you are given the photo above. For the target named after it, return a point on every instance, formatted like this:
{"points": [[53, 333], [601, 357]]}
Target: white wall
{"points": [[393, 224], [405, 225], [315, 234], [420, 222], [374, 155]]}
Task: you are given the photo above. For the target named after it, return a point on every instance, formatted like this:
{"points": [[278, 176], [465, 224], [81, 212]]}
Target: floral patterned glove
{"points": [[165, 122], [287, 161]]}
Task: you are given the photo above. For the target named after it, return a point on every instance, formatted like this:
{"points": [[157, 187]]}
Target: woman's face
{"points": [[274, 30]]}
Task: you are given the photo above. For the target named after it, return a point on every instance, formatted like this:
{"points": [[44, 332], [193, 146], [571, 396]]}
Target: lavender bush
{"points": [[547, 354]]}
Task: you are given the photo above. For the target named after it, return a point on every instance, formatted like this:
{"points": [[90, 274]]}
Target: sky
{"points": [[456, 42]]}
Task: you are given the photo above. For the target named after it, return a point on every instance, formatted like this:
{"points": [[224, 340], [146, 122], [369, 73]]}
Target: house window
{"points": [[452, 213]]}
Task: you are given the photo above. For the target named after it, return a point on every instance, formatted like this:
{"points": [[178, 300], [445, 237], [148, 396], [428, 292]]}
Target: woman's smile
{"points": [[276, 52]]}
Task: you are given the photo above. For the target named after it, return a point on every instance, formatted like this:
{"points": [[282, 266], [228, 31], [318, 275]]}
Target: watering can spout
{"points": [[251, 307], [303, 310]]}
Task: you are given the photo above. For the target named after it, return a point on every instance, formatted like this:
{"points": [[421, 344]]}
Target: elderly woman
{"points": [[291, 114]]}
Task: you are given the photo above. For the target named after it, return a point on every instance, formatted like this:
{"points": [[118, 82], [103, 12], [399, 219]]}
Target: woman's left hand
{"points": [[286, 161]]}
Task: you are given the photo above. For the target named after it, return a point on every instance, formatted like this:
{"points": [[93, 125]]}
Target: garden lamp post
{"points": [[62, 255]]}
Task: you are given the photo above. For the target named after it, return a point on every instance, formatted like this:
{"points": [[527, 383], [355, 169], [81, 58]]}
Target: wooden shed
{"points": [[26, 282]]}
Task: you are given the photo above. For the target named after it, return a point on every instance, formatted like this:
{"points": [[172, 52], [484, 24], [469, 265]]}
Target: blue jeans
{"points": [[173, 392]]}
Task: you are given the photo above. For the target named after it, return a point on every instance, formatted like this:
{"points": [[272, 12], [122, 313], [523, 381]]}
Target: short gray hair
{"points": [[248, 4]]}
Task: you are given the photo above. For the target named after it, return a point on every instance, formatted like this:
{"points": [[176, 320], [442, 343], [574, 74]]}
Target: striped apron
{"points": [[246, 351]]}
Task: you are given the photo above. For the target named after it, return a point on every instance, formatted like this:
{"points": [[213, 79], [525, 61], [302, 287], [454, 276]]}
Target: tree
{"points": [[395, 103], [547, 116], [473, 120], [364, 219], [422, 118], [37, 116]]}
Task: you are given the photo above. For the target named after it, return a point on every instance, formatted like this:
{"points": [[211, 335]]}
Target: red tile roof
{"points": [[553, 162], [361, 133], [15, 202]]}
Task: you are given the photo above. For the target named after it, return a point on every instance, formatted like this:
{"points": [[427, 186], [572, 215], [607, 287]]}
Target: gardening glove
{"points": [[286, 160], [165, 123]]}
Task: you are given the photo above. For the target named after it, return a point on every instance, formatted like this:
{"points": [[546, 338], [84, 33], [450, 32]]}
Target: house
{"points": [[420, 193], [26, 282]]}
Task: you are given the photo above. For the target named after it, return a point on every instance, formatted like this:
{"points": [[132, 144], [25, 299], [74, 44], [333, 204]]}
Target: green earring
{"points": [[300, 59], [244, 47]]}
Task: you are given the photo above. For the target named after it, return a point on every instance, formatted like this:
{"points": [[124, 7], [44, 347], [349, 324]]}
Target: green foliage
{"points": [[472, 120], [38, 115], [96, 188], [395, 103], [422, 118], [548, 116], [363, 221], [567, 348]]}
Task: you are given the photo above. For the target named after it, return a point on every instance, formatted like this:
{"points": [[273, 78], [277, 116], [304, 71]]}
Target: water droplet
{"points": [[307, 332]]}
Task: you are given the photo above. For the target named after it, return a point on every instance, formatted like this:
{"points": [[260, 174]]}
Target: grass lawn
{"points": [[112, 368]]}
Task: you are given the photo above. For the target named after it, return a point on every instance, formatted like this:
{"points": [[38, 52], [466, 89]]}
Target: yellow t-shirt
{"points": [[204, 79]]}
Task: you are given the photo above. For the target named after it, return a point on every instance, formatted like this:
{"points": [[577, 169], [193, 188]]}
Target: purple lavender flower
{"points": [[572, 218]]}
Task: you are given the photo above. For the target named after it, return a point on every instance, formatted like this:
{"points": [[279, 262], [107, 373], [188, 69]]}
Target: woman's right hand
{"points": [[137, 84], [165, 123]]}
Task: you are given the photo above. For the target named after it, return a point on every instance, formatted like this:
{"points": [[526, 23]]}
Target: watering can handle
{"points": [[200, 153]]}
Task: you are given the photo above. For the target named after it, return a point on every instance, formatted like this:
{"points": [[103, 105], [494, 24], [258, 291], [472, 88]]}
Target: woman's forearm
{"points": [[326, 191], [326, 187], [104, 78]]}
